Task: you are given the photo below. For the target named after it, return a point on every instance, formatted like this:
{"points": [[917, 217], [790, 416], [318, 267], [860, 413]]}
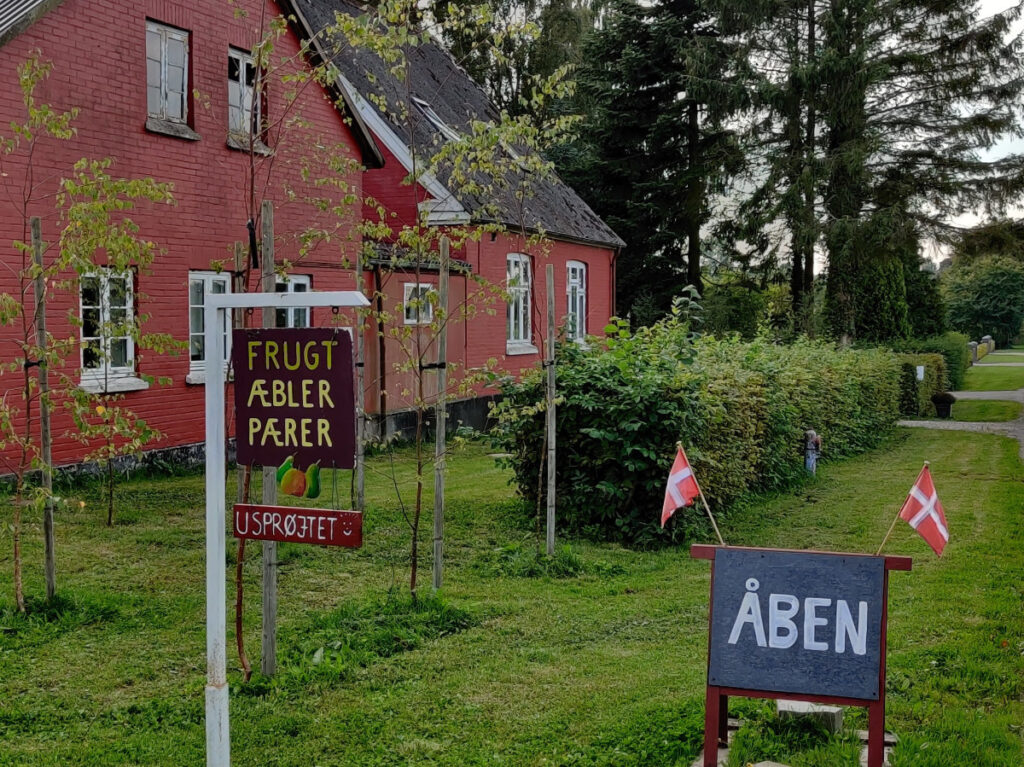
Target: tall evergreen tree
{"points": [[871, 120], [913, 91], [657, 82], [782, 213]]}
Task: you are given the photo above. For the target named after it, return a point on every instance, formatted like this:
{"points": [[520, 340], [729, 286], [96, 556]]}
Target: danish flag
{"points": [[682, 486], [924, 513]]}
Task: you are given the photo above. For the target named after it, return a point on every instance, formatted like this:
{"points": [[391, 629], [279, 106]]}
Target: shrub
{"points": [[740, 408], [986, 297], [952, 346], [916, 396]]}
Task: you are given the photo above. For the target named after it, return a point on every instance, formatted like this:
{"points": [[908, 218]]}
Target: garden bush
{"points": [[952, 346], [916, 396], [740, 409]]}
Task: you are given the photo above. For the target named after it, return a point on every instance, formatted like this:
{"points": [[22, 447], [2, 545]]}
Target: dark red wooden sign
{"points": [[801, 625], [294, 396], [291, 524]]}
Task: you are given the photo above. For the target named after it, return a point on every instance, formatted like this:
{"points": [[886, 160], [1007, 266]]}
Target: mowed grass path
{"points": [[605, 669], [985, 410], [994, 378], [1000, 357]]}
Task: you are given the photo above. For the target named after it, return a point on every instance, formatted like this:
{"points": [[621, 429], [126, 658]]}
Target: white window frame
{"points": [[166, 33], [518, 316], [293, 283], [254, 118], [106, 376], [417, 308], [197, 368], [576, 303]]}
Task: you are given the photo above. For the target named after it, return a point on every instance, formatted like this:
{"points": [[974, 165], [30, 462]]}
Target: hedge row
{"points": [[740, 408], [916, 396], [953, 348]]}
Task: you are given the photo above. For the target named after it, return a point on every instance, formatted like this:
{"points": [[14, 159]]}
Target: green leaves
{"points": [[986, 297], [740, 409]]}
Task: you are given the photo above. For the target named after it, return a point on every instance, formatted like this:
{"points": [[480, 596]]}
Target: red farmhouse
{"points": [[165, 88], [412, 119]]}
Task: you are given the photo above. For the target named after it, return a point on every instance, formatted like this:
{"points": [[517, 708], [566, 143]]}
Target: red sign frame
{"points": [[716, 702], [295, 524]]}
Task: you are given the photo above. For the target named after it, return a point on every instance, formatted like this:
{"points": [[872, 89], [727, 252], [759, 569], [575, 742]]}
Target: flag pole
{"points": [[721, 541], [893, 525], [710, 516]]}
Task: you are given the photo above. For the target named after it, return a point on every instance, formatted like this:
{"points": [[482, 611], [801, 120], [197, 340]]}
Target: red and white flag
{"points": [[924, 513], [682, 486]]}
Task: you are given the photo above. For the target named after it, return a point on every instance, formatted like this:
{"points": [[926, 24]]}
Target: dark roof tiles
{"points": [[435, 78]]}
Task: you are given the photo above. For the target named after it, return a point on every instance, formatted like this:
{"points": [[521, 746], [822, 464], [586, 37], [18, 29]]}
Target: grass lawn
{"points": [[1001, 357], [992, 378], [605, 667], [985, 410]]}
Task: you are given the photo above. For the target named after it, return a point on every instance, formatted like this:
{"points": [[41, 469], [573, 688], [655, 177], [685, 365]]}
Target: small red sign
{"points": [[291, 524]]}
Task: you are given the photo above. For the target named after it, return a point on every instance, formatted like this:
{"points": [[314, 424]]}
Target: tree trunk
{"points": [[794, 170], [110, 491], [694, 197], [810, 161], [847, 186]]}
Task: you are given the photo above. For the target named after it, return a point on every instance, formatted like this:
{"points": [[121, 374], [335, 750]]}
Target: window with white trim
{"points": [[576, 293], [417, 308], [296, 316], [166, 72], [518, 284], [201, 285], [243, 104], [107, 312]]}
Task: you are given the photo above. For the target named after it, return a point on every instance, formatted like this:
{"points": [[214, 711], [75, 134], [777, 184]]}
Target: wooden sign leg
{"points": [[723, 721], [876, 732], [712, 725]]}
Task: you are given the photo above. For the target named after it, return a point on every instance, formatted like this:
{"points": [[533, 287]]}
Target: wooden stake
{"points": [[268, 656], [360, 470], [45, 438], [440, 415], [550, 421], [238, 321], [243, 476], [711, 516]]}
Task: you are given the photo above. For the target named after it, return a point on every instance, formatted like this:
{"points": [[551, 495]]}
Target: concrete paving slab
{"points": [[830, 716]]}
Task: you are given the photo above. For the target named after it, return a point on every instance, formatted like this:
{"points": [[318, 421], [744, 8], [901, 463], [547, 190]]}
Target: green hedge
{"points": [[982, 349], [740, 408], [916, 396], [952, 346]]}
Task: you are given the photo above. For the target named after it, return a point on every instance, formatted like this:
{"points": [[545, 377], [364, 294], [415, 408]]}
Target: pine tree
{"points": [[869, 121], [657, 83], [912, 91], [782, 215]]}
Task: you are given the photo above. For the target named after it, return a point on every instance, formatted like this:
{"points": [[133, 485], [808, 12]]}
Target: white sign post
{"points": [[216, 319]]}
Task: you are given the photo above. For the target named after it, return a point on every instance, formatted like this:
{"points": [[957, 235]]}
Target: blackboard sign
{"points": [[805, 625], [797, 622], [294, 396]]}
